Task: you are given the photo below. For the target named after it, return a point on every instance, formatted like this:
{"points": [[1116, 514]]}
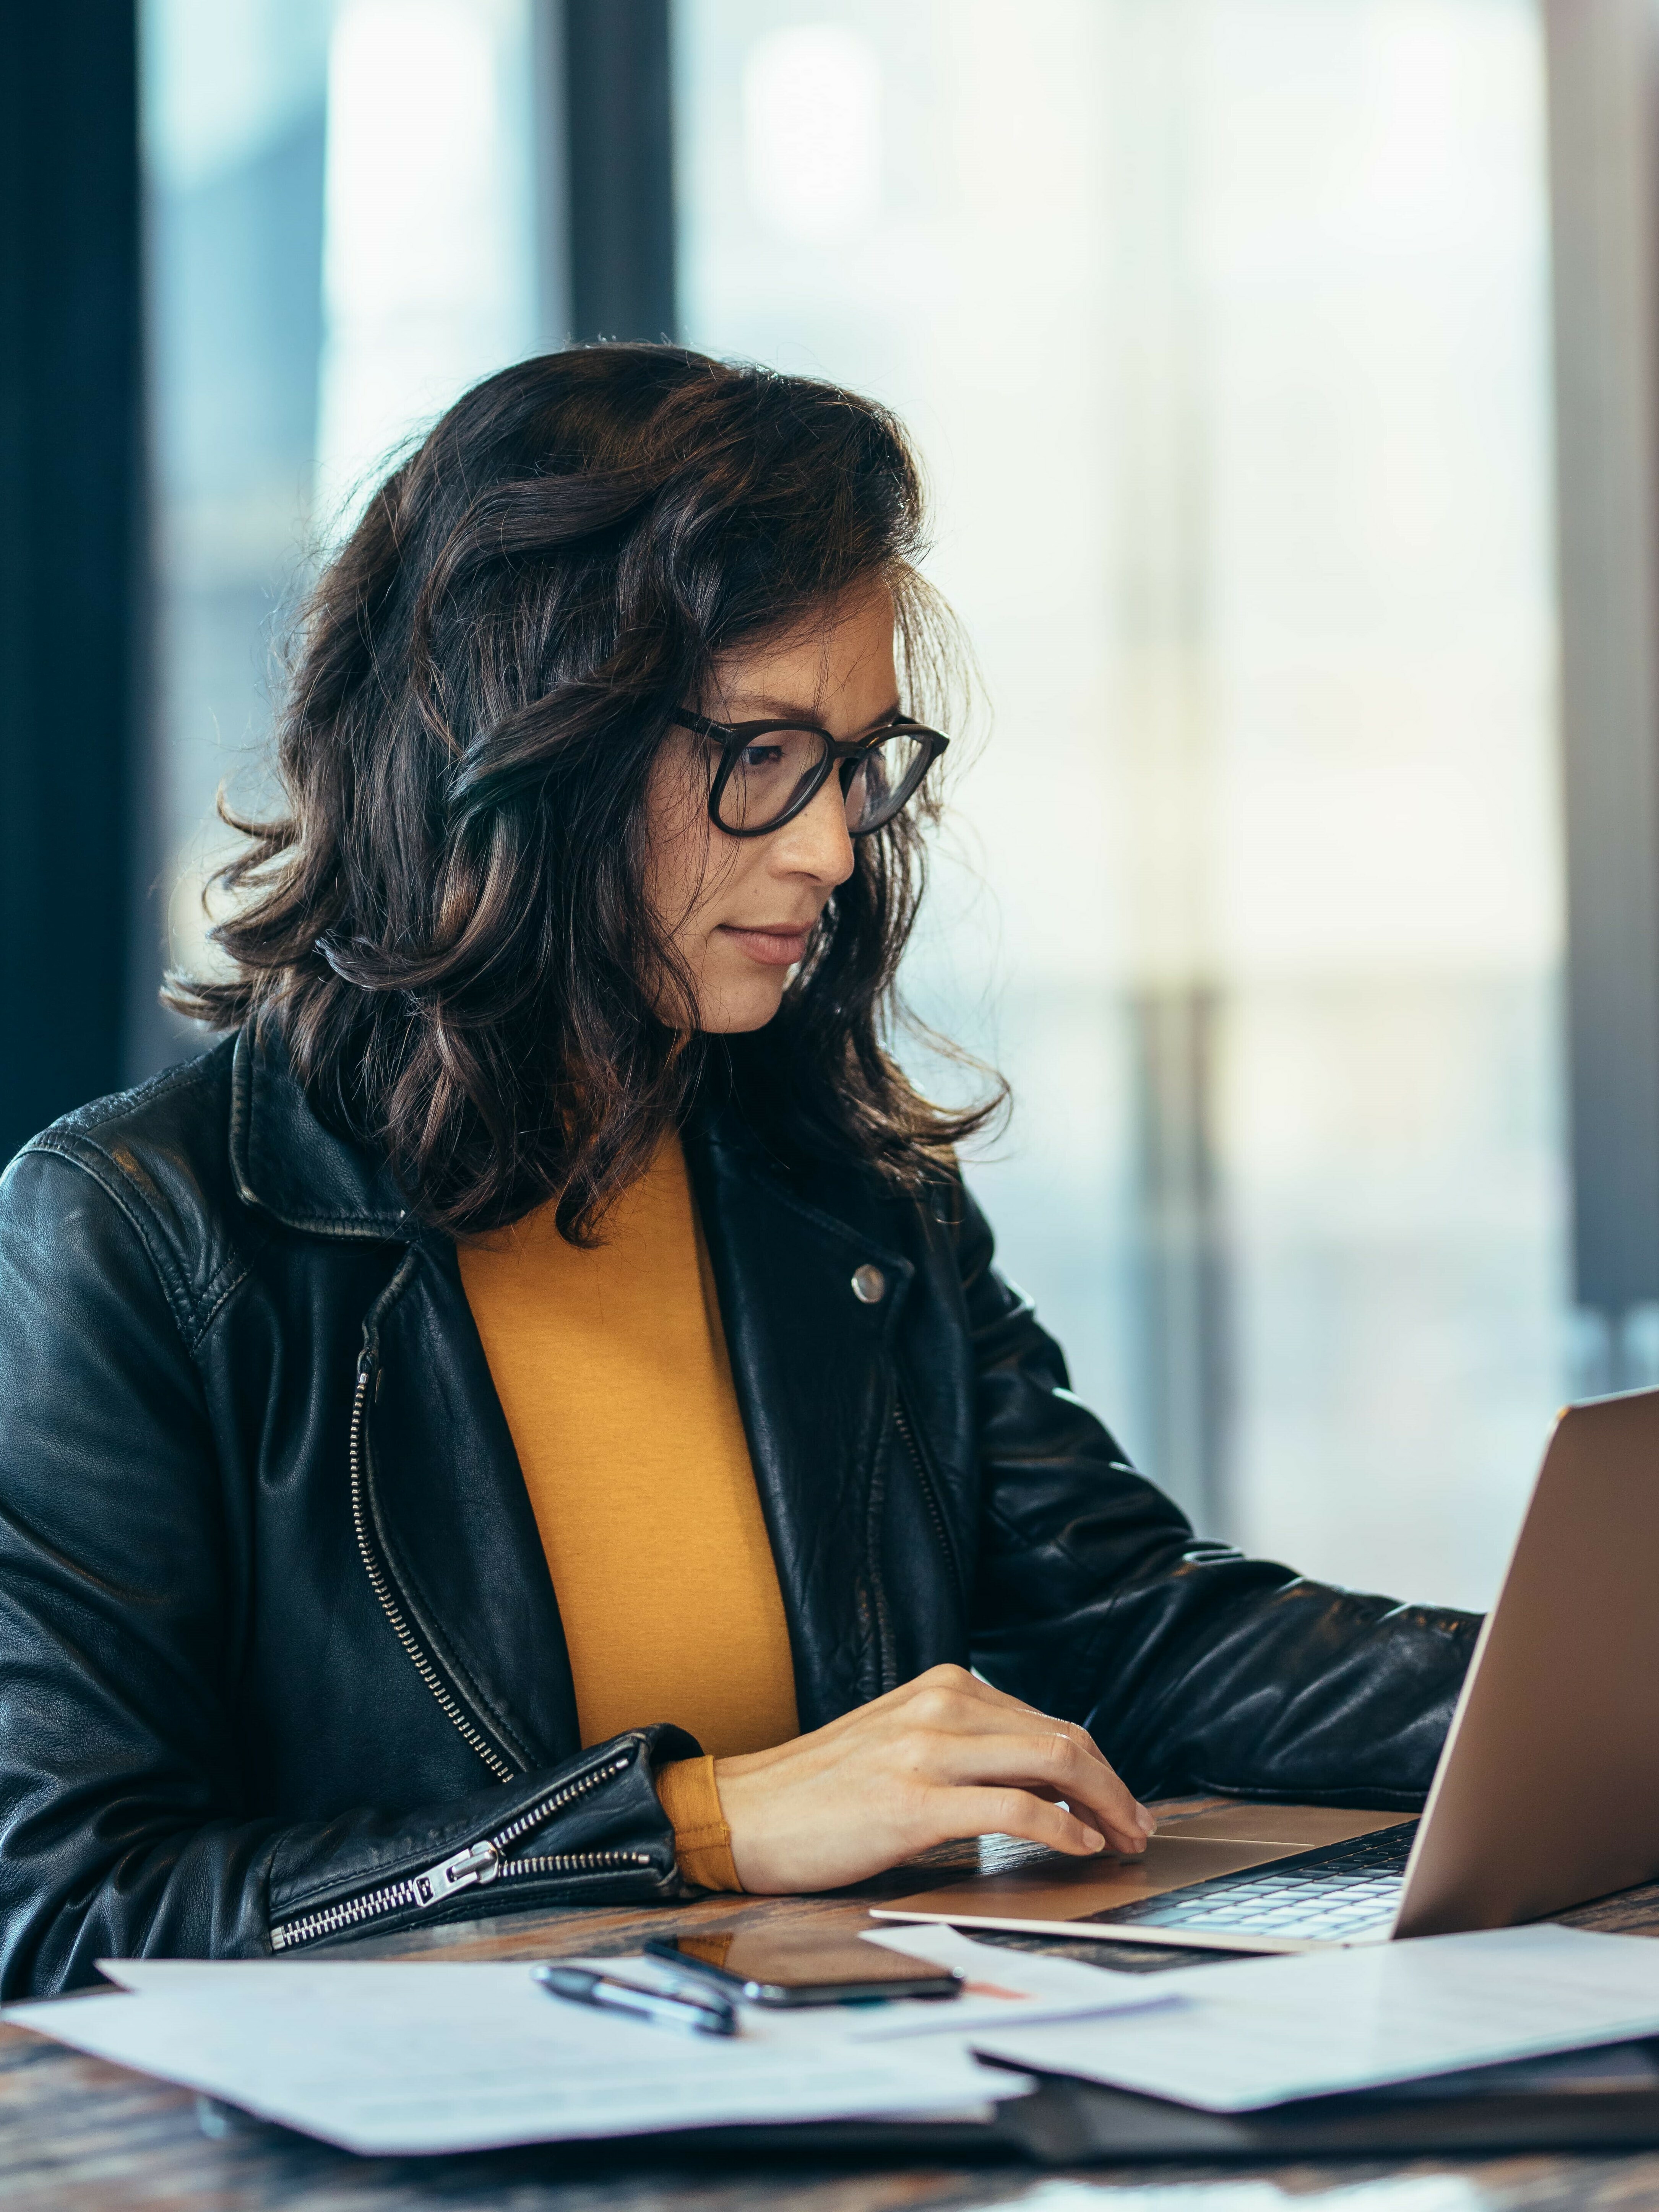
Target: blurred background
{"points": [[1283, 373]]}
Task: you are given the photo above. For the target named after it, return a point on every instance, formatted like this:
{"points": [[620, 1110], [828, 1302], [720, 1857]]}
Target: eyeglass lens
{"points": [[771, 775]]}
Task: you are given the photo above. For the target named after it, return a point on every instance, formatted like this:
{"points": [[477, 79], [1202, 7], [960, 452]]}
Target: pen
{"points": [[704, 2015]]}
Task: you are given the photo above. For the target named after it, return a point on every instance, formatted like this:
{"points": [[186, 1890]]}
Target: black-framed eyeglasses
{"points": [[771, 771]]}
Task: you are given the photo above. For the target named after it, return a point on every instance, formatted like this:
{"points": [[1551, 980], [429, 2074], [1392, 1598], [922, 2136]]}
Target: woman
{"points": [[531, 1416]]}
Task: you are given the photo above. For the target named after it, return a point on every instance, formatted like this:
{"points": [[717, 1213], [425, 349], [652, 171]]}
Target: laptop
{"points": [[1546, 1794]]}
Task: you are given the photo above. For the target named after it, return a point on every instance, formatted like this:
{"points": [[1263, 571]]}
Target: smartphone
{"points": [[804, 1969]]}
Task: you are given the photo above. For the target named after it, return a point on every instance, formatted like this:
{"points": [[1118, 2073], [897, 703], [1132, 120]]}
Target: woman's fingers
{"points": [[955, 1704], [1007, 1811], [1050, 1760]]}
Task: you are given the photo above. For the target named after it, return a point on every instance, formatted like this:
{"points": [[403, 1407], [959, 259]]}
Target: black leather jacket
{"points": [[279, 1653]]}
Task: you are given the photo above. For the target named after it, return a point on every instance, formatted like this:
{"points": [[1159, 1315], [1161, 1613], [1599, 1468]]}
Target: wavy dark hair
{"points": [[445, 924]]}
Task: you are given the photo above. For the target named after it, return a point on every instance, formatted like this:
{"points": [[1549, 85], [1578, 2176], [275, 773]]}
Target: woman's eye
{"points": [[762, 755]]}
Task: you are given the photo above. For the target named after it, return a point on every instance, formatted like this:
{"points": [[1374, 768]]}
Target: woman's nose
{"points": [[816, 843]]}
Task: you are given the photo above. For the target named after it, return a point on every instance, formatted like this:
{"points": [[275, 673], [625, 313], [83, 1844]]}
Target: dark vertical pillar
{"points": [[551, 147], [618, 109], [1604, 178], [70, 504]]}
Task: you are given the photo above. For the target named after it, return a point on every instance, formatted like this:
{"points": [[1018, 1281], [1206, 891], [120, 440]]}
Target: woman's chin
{"points": [[749, 1006]]}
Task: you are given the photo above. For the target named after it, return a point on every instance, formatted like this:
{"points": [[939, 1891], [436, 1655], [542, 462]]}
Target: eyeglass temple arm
{"points": [[702, 727]]}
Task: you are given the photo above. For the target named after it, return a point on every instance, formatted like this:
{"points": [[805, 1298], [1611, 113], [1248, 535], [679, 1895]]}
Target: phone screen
{"points": [[797, 1969]]}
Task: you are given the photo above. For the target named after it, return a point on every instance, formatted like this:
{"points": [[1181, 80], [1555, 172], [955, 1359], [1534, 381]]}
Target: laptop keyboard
{"points": [[1337, 1892]]}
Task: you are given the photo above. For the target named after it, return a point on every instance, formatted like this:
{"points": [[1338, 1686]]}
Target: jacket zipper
{"points": [[474, 1868], [382, 1589], [929, 1492]]}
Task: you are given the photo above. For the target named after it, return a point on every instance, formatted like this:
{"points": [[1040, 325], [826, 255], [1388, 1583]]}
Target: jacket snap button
{"points": [[869, 1285]]}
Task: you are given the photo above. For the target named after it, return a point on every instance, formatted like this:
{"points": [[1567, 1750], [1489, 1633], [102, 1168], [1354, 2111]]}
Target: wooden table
{"points": [[76, 2132]]}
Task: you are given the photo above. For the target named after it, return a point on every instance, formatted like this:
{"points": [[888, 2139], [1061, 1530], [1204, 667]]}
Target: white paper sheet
{"points": [[401, 2059], [1239, 2036]]}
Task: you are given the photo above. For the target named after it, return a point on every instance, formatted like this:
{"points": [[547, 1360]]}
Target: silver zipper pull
{"points": [[476, 1864]]}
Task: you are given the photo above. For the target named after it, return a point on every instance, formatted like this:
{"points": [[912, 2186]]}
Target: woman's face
{"points": [[740, 910]]}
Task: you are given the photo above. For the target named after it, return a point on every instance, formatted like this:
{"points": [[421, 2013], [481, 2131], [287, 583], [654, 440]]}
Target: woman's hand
{"points": [[944, 1756]]}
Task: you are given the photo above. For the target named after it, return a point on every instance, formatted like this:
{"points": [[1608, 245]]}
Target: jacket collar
{"points": [[291, 1166]]}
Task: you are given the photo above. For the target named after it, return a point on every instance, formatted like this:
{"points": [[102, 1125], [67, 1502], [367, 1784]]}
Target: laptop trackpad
{"points": [[1055, 1888]]}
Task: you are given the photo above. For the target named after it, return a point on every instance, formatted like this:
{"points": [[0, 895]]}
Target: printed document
{"points": [[426, 2057], [1239, 2036]]}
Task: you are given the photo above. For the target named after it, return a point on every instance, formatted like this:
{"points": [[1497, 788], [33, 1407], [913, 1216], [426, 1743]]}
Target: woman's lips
{"points": [[773, 948]]}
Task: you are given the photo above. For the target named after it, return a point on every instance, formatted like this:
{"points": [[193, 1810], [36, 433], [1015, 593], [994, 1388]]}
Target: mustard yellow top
{"points": [[611, 1369]]}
